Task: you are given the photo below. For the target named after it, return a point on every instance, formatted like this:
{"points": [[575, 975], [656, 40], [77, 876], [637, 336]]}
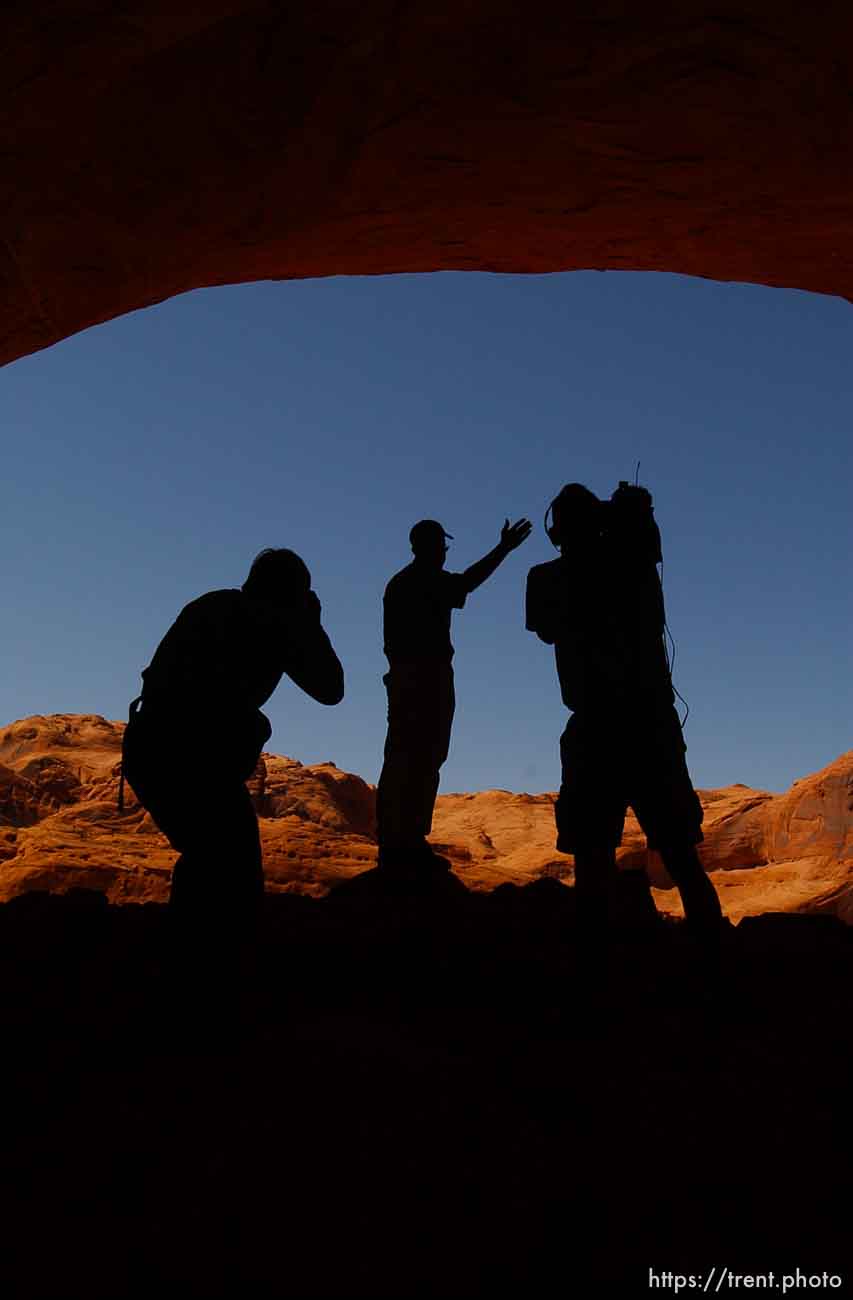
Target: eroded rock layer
{"points": [[148, 150], [60, 828]]}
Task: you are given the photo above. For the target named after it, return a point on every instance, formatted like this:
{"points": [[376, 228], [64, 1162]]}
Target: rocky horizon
{"points": [[60, 828]]}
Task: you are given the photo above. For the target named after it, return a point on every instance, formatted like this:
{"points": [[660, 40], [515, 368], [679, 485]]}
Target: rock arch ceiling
{"points": [[150, 149]]}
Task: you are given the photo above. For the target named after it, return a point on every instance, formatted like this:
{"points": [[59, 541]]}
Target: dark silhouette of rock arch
{"points": [[154, 148]]}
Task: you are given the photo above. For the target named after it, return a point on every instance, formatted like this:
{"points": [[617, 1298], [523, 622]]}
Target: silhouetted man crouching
{"points": [[601, 606], [195, 734], [418, 604]]}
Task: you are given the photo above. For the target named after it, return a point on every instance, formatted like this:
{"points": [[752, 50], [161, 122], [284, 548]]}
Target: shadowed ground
{"points": [[432, 1097]]}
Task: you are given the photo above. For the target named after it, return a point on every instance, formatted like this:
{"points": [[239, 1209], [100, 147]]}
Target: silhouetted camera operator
{"points": [[601, 606]]}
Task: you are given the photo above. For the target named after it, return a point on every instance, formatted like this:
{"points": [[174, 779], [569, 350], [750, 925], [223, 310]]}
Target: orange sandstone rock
{"points": [[152, 149], [60, 827]]}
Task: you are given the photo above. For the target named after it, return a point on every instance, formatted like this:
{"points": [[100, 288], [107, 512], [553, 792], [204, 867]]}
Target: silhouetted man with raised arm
{"points": [[418, 604], [601, 606], [197, 731]]}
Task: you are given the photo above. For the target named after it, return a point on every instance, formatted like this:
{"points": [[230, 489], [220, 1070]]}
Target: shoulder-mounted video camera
{"points": [[578, 512], [629, 497]]}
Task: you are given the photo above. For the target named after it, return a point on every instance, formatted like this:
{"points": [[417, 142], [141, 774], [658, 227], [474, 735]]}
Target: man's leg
{"points": [[669, 811], [590, 814], [698, 895], [441, 709], [420, 716], [215, 832], [595, 889], [220, 872], [567, 798], [215, 906], [398, 813]]}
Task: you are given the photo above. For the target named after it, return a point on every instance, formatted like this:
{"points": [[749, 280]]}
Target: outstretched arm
{"points": [[512, 535]]}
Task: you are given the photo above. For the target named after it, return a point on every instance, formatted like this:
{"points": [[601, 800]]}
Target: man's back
{"points": [[219, 649], [228, 649], [604, 616]]}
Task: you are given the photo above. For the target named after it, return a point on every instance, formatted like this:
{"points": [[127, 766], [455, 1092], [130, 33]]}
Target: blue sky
{"points": [[147, 460]]}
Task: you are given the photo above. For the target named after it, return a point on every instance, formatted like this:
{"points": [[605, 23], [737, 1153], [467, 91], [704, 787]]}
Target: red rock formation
{"points": [[766, 852], [153, 149], [808, 840], [60, 827]]}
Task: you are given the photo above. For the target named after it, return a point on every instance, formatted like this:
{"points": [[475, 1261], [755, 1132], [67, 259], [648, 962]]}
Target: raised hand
{"points": [[512, 535]]}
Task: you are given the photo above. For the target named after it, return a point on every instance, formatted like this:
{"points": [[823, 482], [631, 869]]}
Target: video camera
{"points": [[629, 527], [630, 497], [577, 510]]}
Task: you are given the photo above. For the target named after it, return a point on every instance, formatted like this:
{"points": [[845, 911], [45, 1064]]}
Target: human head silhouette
{"points": [[576, 516], [427, 539], [277, 574]]}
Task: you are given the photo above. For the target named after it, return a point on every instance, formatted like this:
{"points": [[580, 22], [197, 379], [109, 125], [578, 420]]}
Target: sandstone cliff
{"points": [[152, 149], [60, 827]]}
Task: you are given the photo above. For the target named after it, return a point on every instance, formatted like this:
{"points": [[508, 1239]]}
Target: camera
{"points": [[576, 513], [630, 496]]}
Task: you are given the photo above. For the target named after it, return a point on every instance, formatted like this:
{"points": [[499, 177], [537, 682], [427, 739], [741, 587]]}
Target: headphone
{"points": [[550, 530]]}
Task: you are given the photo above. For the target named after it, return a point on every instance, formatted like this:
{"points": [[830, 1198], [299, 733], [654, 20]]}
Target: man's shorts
{"points": [[613, 763]]}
